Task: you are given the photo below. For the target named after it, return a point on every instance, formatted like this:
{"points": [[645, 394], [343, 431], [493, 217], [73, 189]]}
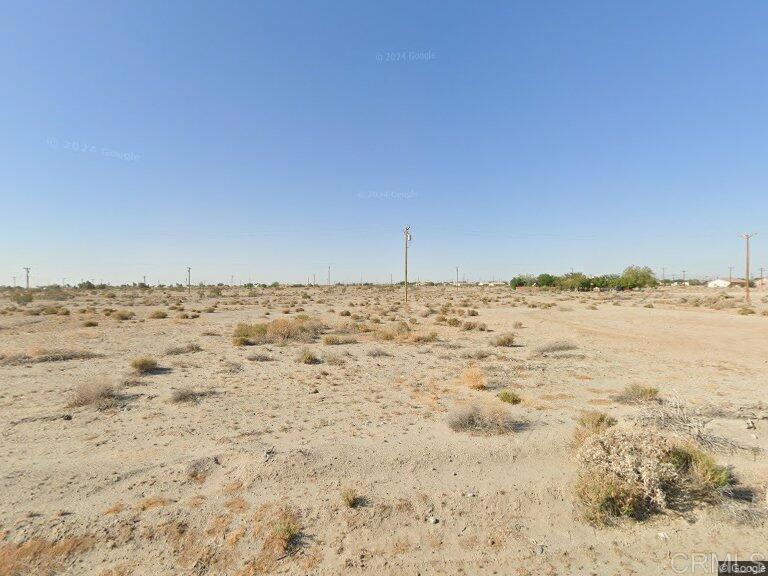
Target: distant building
{"points": [[718, 283]]}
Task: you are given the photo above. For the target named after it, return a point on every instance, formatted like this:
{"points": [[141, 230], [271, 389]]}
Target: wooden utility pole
{"points": [[730, 273], [329, 277], [26, 269], [189, 279], [746, 267], [457, 277], [683, 276], [407, 237]]}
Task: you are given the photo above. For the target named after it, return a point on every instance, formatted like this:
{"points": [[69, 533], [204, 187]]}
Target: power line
{"points": [[746, 266]]}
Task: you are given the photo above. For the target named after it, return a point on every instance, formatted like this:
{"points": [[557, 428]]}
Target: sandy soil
{"points": [[152, 486]]}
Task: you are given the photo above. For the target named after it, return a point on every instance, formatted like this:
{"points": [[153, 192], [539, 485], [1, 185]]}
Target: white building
{"points": [[718, 283]]}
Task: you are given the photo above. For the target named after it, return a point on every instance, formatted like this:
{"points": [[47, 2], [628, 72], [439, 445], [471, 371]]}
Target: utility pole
{"points": [[457, 277], [407, 236], [14, 281], [144, 280], [663, 274], [231, 281], [683, 276], [730, 273], [761, 277], [26, 269], [746, 271], [314, 280], [329, 277], [189, 279]]}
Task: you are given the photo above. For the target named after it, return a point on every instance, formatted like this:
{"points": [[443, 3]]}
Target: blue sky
{"points": [[268, 140]]}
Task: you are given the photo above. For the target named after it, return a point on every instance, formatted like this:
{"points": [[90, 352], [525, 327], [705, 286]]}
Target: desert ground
{"points": [[162, 432]]}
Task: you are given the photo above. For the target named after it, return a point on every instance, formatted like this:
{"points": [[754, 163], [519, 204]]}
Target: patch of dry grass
{"points": [[185, 349]]}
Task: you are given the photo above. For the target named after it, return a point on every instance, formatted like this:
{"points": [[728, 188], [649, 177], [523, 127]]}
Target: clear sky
{"points": [[268, 140]]}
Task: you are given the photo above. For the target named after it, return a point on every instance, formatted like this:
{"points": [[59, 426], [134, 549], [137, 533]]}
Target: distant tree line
{"points": [[632, 277]]}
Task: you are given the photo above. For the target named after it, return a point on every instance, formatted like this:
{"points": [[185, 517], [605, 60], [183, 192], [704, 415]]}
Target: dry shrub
{"points": [[350, 497], [185, 349], [299, 329], [308, 357], [260, 357], [144, 364], [37, 355], [590, 423], [424, 338], [123, 315], [336, 340], [482, 419], [510, 397], [100, 395], [504, 340], [378, 353], [184, 395], [556, 346], [158, 315], [636, 394], [90, 324], [626, 472], [473, 377]]}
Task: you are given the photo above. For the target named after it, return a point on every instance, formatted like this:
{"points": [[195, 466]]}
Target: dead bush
{"points": [[504, 340], [627, 472], [473, 377], [100, 395], [556, 346], [144, 364], [482, 419]]}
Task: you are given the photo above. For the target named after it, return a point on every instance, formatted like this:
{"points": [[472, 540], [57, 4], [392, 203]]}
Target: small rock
{"points": [[433, 520], [540, 549], [750, 425]]}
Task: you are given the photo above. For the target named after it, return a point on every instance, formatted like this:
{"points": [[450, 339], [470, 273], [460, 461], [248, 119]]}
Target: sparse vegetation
{"points": [[308, 357]]}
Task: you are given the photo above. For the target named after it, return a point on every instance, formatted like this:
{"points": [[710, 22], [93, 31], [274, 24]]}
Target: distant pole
{"points": [[457, 277], [407, 236], [26, 269], [329, 277], [730, 273], [231, 280], [390, 279], [683, 275], [663, 274], [746, 267], [761, 277], [14, 281], [144, 280], [189, 279]]}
